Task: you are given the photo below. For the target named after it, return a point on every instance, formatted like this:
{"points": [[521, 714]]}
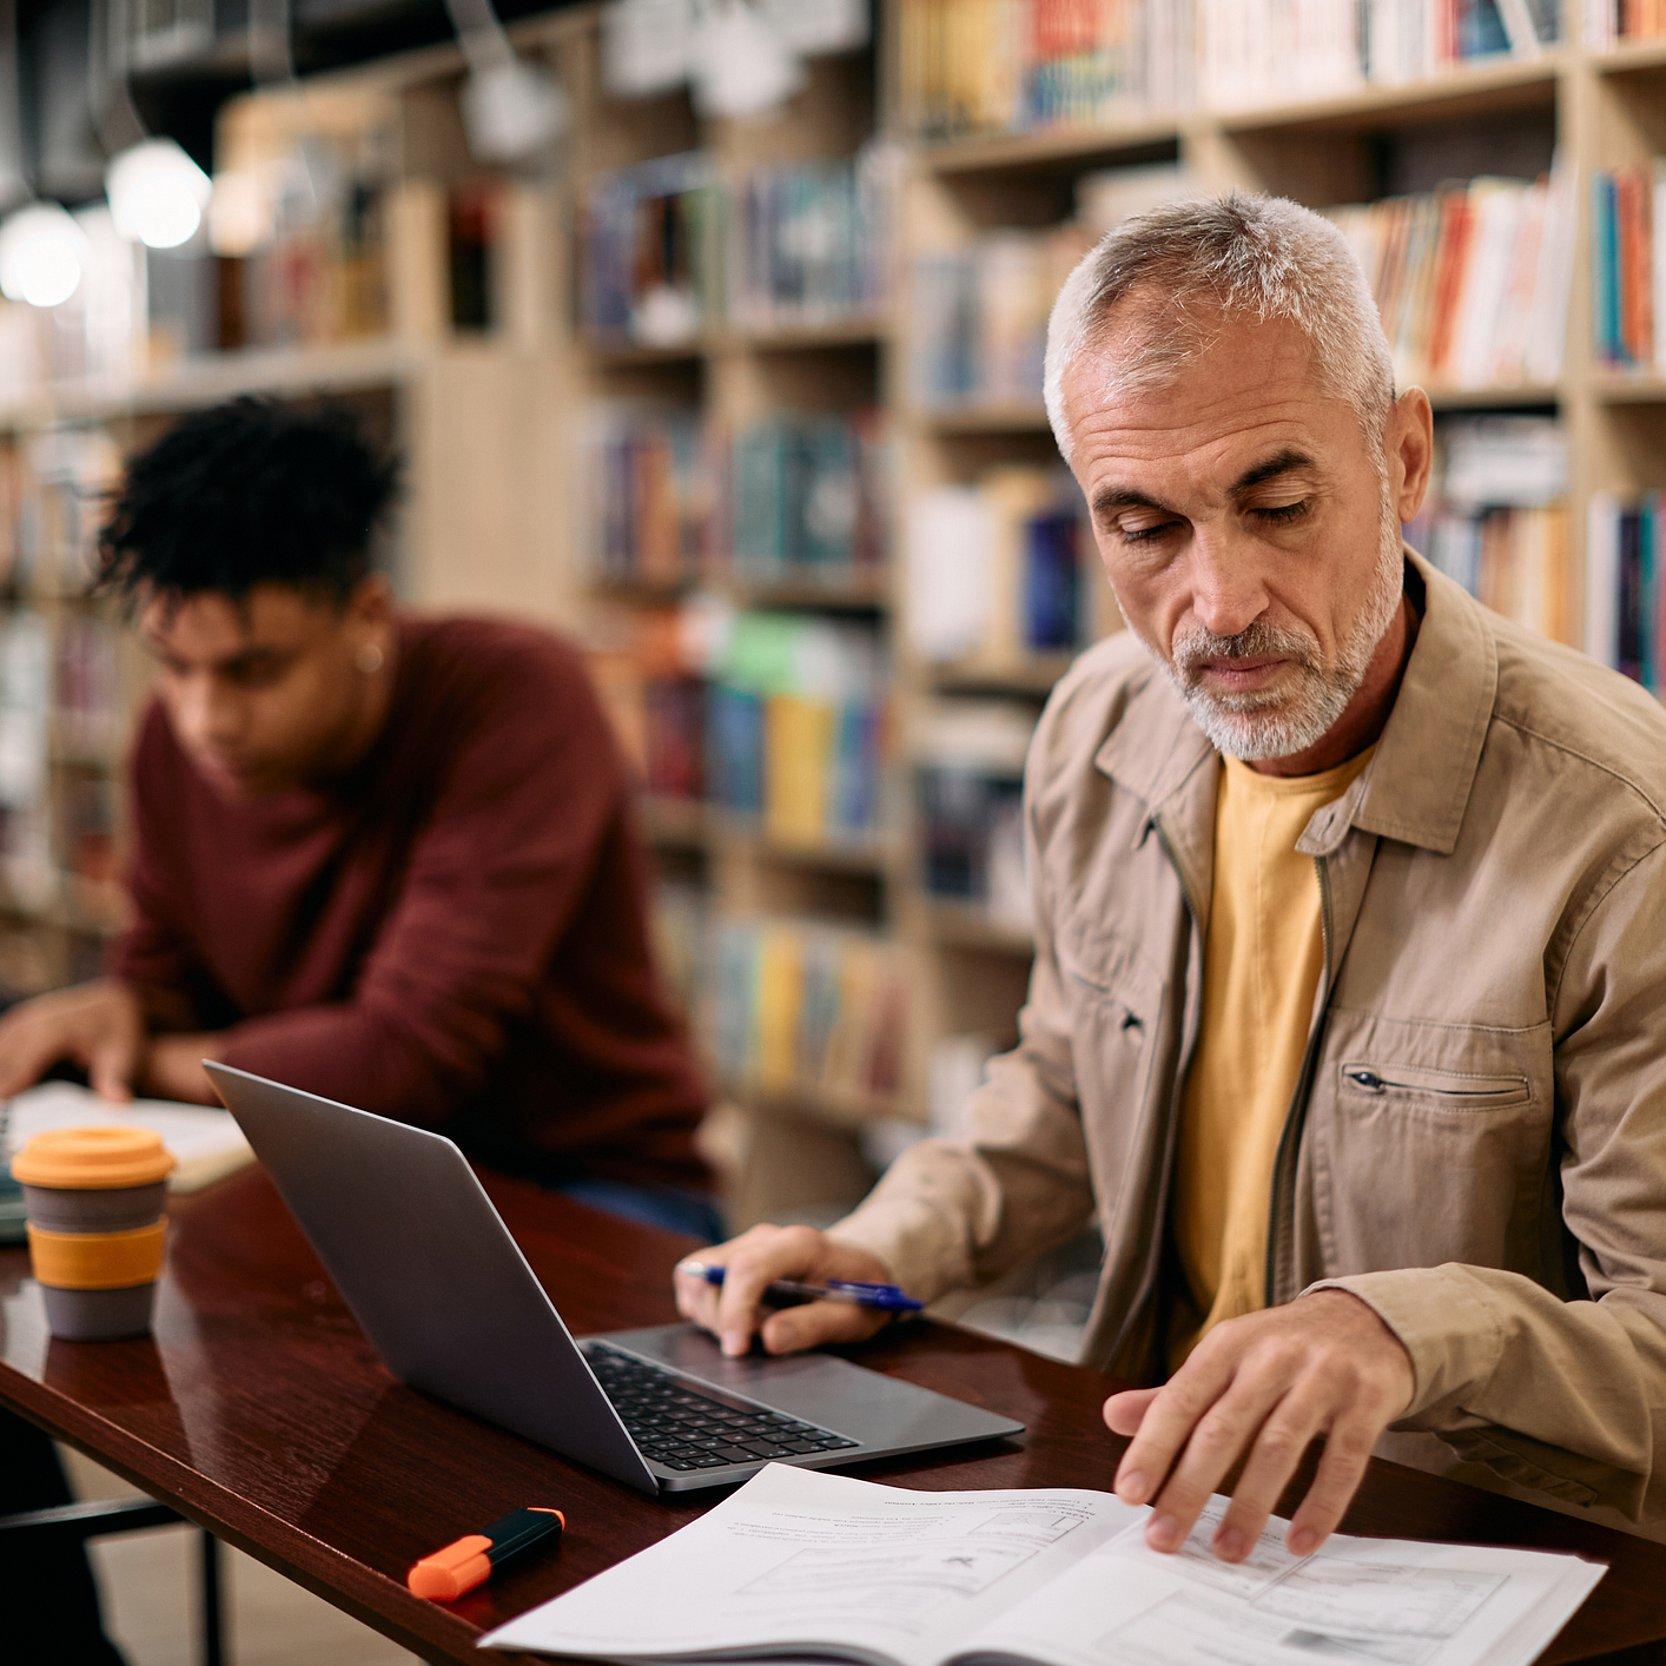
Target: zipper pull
{"points": [[1367, 1079]]}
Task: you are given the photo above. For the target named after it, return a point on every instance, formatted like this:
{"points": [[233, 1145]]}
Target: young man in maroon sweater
{"points": [[383, 858], [386, 859]]}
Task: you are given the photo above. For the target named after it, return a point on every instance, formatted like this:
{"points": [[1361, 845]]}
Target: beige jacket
{"points": [[1477, 1144]]}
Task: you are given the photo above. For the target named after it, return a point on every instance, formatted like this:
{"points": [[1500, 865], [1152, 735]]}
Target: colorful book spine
{"points": [[648, 477], [981, 317], [1471, 282], [1628, 279], [1625, 586], [653, 683], [799, 731], [992, 66], [800, 1007], [651, 260], [1000, 570], [807, 497], [812, 242], [1611, 22], [1497, 519]]}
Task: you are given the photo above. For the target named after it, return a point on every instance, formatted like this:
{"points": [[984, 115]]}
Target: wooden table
{"points": [[259, 1411]]}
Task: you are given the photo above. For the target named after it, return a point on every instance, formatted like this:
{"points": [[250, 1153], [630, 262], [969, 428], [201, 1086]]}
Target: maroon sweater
{"points": [[457, 936]]}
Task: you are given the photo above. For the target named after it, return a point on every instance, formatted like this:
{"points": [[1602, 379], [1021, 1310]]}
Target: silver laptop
{"points": [[429, 1270]]}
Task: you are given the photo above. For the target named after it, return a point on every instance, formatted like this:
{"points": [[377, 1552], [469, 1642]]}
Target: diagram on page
{"points": [[1352, 1602]]}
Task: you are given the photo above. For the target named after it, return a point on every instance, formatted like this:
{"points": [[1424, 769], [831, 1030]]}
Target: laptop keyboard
{"points": [[682, 1429]]}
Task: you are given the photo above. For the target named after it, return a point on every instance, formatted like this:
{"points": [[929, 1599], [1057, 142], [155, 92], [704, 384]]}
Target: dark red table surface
{"points": [[259, 1410]]}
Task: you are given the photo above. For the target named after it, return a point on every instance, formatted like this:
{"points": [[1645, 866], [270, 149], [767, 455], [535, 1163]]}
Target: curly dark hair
{"points": [[245, 493]]}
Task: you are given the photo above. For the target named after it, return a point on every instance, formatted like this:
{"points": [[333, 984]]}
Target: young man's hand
{"points": [[99, 1027], [731, 1311], [172, 1068], [1262, 1388]]}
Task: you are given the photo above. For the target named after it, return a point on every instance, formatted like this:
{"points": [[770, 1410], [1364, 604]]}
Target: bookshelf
{"points": [[498, 422]]}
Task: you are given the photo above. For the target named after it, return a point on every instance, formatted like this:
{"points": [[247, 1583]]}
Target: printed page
{"points": [[801, 1561], [205, 1141], [1355, 1602]]}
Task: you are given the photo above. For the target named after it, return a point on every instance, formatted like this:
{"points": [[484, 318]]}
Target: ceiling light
{"points": [[157, 194], [43, 254]]}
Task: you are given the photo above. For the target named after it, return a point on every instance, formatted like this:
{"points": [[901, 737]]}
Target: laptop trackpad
{"points": [[819, 1388]]}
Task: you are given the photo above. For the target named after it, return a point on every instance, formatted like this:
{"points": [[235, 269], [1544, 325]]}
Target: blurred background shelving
{"points": [[752, 405]]}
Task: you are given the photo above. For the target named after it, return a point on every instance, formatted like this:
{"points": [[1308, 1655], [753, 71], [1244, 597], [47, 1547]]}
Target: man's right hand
{"points": [[733, 1311], [97, 1026]]}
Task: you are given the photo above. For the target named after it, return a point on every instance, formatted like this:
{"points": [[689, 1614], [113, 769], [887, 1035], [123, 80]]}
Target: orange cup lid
{"points": [[96, 1158]]}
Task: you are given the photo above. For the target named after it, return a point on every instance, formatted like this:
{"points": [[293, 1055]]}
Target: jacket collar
{"points": [[1418, 783]]}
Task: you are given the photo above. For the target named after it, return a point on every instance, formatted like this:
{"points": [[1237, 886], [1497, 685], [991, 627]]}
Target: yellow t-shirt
{"points": [[1263, 958]]}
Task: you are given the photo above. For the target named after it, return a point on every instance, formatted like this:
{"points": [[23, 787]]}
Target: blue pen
{"points": [[887, 1298]]}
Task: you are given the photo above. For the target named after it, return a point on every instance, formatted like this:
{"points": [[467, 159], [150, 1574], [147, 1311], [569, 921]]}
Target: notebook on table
{"points": [[205, 1141], [801, 1563]]}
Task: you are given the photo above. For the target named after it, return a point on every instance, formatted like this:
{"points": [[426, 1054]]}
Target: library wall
{"points": [[752, 406]]}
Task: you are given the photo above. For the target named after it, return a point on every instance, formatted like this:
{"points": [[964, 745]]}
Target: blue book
{"points": [[1605, 290]]}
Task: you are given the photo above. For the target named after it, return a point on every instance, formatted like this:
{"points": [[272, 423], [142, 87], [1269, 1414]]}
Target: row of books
{"points": [[1497, 520], [1471, 281], [1609, 22], [812, 240], [980, 312], [798, 1006], [650, 666], [779, 720], [1625, 586], [980, 66], [25, 708], [968, 775], [1261, 51], [980, 317], [53, 500], [998, 570], [672, 248], [89, 701], [798, 726], [797, 495], [1628, 250], [983, 66]]}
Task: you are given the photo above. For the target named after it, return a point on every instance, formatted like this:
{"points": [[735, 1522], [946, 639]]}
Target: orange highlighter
{"points": [[453, 1572]]}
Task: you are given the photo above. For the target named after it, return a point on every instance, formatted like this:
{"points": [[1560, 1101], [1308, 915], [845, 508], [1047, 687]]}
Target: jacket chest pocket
{"points": [[1117, 1013], [1431, 1143]]}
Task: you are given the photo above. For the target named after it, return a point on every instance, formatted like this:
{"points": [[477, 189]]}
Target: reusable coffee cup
{"points": [[94, 1199]]}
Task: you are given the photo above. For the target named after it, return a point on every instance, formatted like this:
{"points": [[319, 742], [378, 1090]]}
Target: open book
{"points": [[802, 1563], [206, 1143]]}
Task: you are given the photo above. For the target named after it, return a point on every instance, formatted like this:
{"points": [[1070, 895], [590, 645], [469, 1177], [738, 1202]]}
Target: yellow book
{"points": [[780, 977], [799, 736]]}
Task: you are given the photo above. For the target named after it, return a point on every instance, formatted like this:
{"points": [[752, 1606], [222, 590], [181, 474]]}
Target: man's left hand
{"points": [[173, 1068], [1262, 1388]]}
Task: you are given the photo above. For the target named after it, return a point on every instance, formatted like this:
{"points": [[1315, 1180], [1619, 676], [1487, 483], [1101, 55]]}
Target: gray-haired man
{"points": [[1348, 1012]]}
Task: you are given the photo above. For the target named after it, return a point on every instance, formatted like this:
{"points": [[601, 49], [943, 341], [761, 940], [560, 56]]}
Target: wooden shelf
{"points": [[1033, 675], [1475, 89], [1630, 387], [832, 853], [686, 823], [1116, 141], [861, 592], [623, 354], [846, 591], [809, 1102], [675, 822], [206, 381], [969, 926], [1500, 396], [1007, 417], [642, 591], [804, 336], [1636, 57]]}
